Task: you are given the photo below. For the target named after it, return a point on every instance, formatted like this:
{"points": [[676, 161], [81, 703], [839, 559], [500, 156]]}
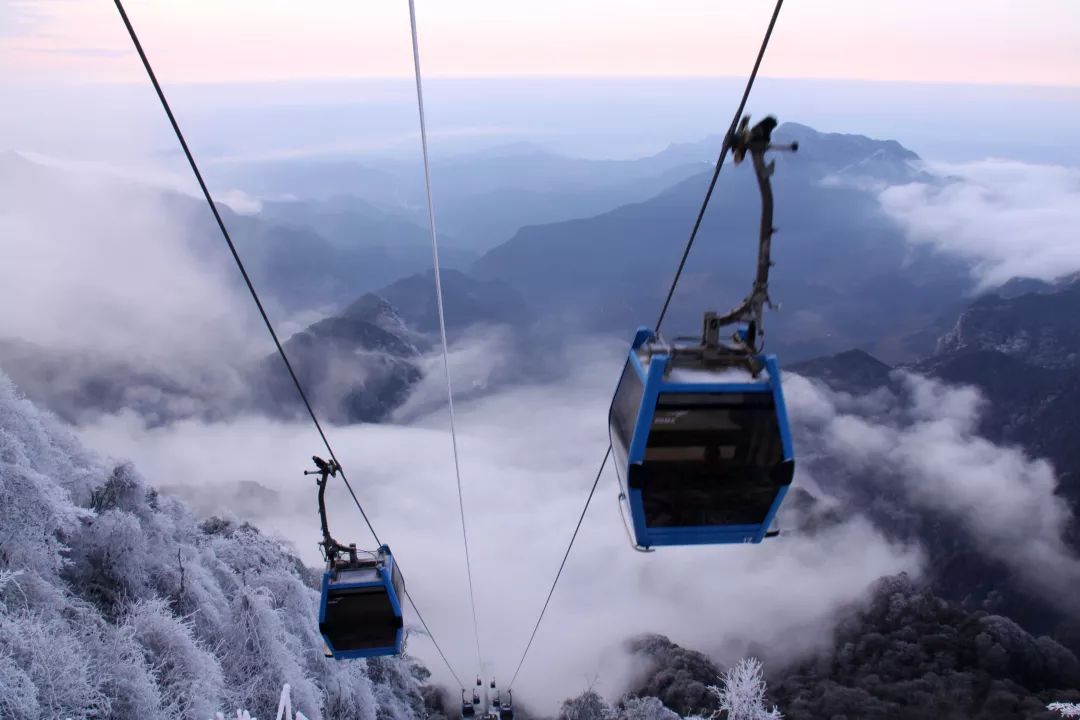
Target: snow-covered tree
{"points": [[1069, 710], [587, 706], [117, 602], [646, 708], [741, 693]]}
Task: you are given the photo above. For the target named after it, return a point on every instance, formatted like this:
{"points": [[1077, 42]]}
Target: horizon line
{"points": [[495, 77]]}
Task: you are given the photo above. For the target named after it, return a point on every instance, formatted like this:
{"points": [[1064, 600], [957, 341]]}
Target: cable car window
{"points": [[710, 460], [361, 618], [671, 454], [624, 409], [398, 583]]}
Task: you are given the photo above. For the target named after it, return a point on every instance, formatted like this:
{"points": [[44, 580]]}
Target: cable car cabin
{"points": [[360, 610], [703, 456], [506, 710]]}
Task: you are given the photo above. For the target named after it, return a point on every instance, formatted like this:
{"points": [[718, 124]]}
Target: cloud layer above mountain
{"points": [[528, 457], [1011, 219], [103, 266], [921, 441]]}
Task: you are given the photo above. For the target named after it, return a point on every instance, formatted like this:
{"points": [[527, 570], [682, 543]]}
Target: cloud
{"points": [[240, 202], [1011, 218], [99, 52], [528, 456], [21, 17], [117, 295], [112, 271], [93, 264], [923, 443]]}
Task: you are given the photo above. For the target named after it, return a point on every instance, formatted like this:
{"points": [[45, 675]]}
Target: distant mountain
{"points": [[301, 254], [844, 272], [849, 371], [351, 366], [1038, 328], [361, 364], [482, 198], [908, 653], [853, 159], [467, 301], [359, 247], [358, 364], [307, 256], [1022, 351], [81, 385], [901, 652]]}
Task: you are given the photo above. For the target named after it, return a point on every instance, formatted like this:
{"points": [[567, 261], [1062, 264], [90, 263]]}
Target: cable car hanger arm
{"points": [[756, 141], [331, 547]]}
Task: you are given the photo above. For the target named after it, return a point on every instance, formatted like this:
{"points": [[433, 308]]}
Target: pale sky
{"points": [[980, 41]]}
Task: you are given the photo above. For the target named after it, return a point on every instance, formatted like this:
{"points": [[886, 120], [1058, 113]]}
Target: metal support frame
{"points": [[744, 346], [332, 549]]}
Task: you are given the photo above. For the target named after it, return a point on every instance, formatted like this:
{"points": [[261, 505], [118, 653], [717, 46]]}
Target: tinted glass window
{"points": [[360, 619], [399, 584], [624, 408], [712, 460]]}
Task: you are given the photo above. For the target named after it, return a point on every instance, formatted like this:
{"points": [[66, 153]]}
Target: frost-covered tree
{"points": [[679, 677], [1069, 710], [645, 708], [587, 706], [741, 693], [187, 674], [117, 602]]}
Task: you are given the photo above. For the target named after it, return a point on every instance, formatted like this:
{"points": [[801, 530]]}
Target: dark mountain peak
{"points": [[350, 334], [352, 371], [1008, 380], [849, 156], [704, 150], [1070, 280], [836, 151], [846, 144], [369, 307], [678, 676], [850, 371], [1017, 286], [466, 301], [1039, 328], [376, 310]]}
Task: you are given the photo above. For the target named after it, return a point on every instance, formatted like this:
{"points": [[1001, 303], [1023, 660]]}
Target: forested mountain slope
{"points": [[117, 602]]}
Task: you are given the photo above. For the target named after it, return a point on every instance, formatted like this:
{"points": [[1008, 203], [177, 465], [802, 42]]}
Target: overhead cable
{"points": [[251, 287], [442, 324]]}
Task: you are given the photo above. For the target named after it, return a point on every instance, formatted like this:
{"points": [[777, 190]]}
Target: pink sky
{"points": [[989, 41]]}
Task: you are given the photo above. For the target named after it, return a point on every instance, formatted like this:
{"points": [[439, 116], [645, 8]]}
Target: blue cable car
{"points": [[702, 458], [360, 609], [360, 604], [699, 431]]}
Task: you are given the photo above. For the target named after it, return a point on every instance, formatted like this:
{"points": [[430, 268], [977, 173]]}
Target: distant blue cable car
{"points": [[468, 708], [701, 458], [360, 609], [506, 709], [360, 604]]}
